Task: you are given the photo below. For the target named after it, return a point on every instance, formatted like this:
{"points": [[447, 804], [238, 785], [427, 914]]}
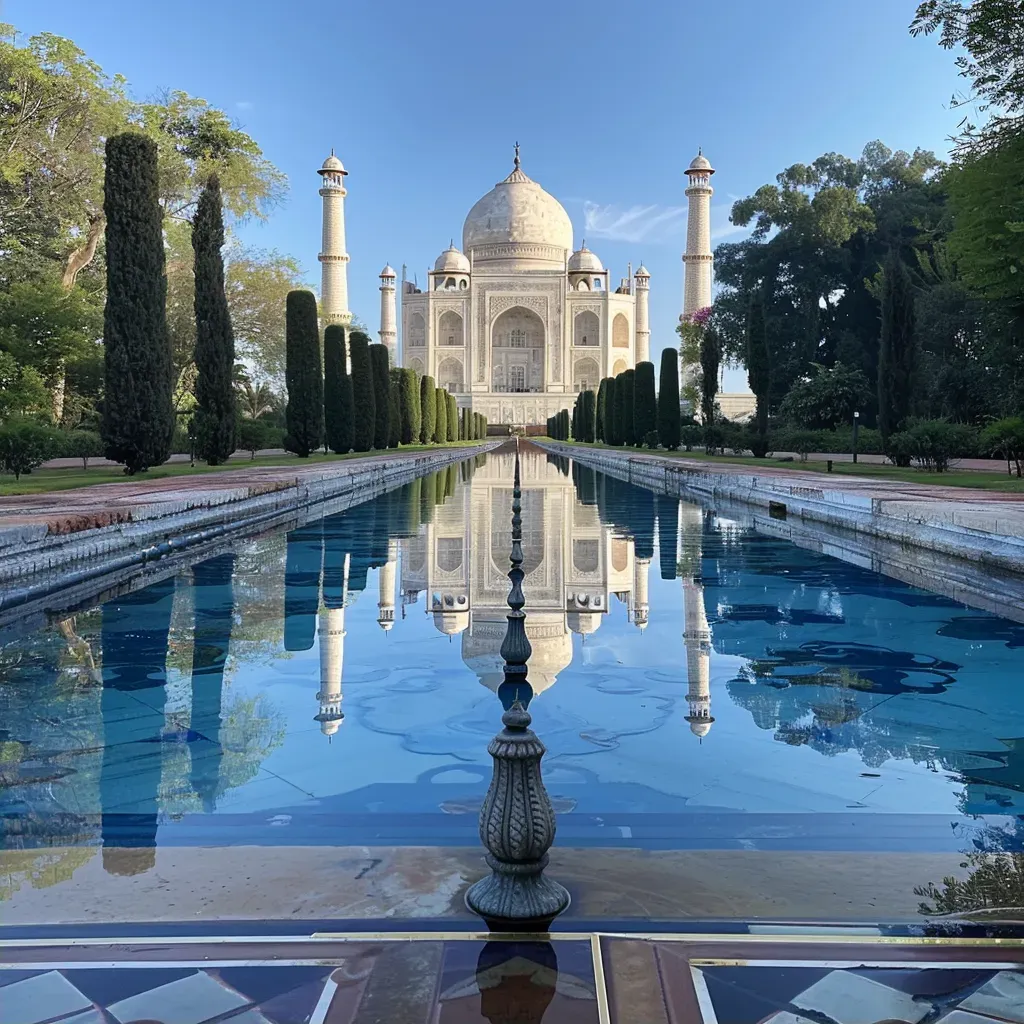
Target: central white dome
{"points": [[517, 220]]}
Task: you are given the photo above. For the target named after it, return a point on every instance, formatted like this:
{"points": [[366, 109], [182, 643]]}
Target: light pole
{"points": [[856, 424]]}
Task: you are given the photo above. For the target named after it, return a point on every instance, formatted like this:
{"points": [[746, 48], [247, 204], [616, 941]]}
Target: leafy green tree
{"points": [[669, 421], [759, 375], [138, 410], [338, 425], [394, 407], [304, 416], [409, 409], [22, 389], [627, 382], [25, 446], [214, 417], [84, 445], [364, 398], [428, 410], [826, 399], [441, 416], [896, 350], [379, 366], [645, 402], [253, 436], [1005, 438]]}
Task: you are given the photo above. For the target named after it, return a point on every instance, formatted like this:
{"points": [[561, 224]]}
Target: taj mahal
{"points": [[518, 320]]}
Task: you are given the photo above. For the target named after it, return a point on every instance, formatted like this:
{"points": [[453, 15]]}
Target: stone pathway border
{"points": [[984, 527], [52, 542]]}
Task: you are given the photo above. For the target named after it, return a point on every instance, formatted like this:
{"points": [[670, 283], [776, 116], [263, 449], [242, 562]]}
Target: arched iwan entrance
{"points": [[517, 351]]}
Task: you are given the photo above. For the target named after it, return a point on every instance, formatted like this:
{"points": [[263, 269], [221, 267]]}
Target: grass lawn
{"points": [[965, 478], [43, 480]]}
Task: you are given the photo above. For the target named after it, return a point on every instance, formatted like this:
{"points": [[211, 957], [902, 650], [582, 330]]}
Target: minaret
{"points": [[643, 322], [388, 314], [332, 657], [697, 639], [697, 260], [386, 585], [333, 257], [641, 600]]}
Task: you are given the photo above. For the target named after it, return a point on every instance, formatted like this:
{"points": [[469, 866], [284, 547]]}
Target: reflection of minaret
{"points": [[641, 601], [332, 657], [386, 583], [697, 638]]}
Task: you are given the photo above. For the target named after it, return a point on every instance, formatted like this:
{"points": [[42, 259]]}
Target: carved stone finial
{"points": [[517, 821], [516, 163]]}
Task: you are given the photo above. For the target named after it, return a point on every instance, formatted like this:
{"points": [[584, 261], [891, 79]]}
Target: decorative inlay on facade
{"points": [[443, 306], [584, 307], [523, 250], [538, 303]]}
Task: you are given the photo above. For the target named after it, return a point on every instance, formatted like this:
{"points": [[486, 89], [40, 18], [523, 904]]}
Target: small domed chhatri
{"points": [[388, 271], [701, 163], [332, 165], [521, 320]]}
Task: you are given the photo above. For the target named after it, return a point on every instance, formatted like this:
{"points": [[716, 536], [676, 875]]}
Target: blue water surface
{"points": [[697, 684]]}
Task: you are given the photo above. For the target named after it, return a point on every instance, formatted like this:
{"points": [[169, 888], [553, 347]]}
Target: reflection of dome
{"points": [[550, 640], [451, 261], [700, 726], [332, 165], [583, 622], [584, 261], [451, 623], [329, 726], [519, 212]]}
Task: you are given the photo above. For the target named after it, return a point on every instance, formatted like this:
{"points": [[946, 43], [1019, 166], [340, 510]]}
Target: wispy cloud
{"points": [[633, 223]]}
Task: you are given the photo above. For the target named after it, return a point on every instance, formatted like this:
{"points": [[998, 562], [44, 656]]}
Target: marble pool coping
{"points": [[56, 541]]}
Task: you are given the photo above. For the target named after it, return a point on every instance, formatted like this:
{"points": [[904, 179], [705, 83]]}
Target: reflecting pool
{"points": [[698, 685]]}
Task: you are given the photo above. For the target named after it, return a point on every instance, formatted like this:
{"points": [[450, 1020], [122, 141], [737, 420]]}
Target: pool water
{"points": [[697, 685]]}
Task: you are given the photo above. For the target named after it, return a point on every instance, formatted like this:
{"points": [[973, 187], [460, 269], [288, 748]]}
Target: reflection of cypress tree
{"points": [[379, 517], [668, 535], [361, 533], [134, 642], [450, 479], [303, 564], [213, 596], [337, 537], [412, 509], [585, 479], [427, 504], [439, 486], [641, 522]]}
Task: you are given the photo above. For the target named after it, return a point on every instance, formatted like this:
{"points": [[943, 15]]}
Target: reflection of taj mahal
{"points": [[517, 320]]}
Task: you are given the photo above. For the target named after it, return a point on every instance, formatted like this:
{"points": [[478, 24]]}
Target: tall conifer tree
{"points": [[896, 347], [428, 410], [441, 416], [138, 406], [669, 424], [601, 425], [337, 392], [645, 403], [395, 407], [380, 368], [758, 371], [453, 416], [409, 410], [214, 418], [304, 415], [364, 404], [627, 381]]}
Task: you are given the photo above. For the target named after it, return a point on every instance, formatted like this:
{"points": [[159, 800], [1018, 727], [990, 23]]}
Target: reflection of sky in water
{"points": [[759, 677]]}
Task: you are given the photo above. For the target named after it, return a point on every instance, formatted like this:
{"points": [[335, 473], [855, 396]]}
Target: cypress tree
{"points": [[896, 347], [395, 407], [710, 360], [628, 383], [337, 392], [601, 422], [138, 407], [364, 406], [304, 415], [379, 367], [758, 371], [441, 416], [453, 417], [613, 414], [409, 407], [428, 410], [214, 419], [669, 425], [590, 417], [645, 404]]}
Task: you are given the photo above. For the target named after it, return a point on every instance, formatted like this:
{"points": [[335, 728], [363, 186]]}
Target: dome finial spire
{"points": [[516, 162]]}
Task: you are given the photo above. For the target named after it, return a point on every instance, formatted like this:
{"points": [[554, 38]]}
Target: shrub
{"points": [[1005, 438], [651, 439], [691, 435], [254, 436], [803, 442], [25, 446], [84, 445], [933, 444]]}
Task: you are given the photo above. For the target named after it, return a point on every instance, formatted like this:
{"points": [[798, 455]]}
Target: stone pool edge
{"points": [[900, 520], [36, 562]]}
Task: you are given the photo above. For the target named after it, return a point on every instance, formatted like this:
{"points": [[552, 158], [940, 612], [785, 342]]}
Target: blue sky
{"points": [[609, 101]]}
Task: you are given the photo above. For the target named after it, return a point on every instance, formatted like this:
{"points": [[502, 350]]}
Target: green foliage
{"points": [[601, 413], [304, 417], [364, 398], [409, 407], [669, 422], [428, 409], [625, 382], [645, 402], [710, 361], [453, 417], [22, 389], [338, 425], [896, 350], [84, 445], [758, 360], [394, 406], [616, 409], [138, 410], [651, 439], [25, 446], [441, 416], [932, 444], [215, 341], [380, 367], [690, 436], [1005, 438], [827, 398], [256, 435]]}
